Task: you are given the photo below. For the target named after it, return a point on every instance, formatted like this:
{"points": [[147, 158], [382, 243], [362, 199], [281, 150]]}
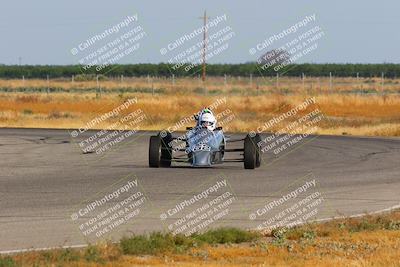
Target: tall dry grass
{"points": [[343, 114]]}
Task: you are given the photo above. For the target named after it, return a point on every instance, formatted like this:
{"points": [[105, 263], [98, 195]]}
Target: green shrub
{"points": [[68, 255], [226, 235], [166, 242], [7, 262], [149, 244], [393, 225], [93, 254], [279, 235], [199, 90]]}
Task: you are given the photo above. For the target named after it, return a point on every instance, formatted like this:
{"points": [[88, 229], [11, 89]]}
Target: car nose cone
{"points": [[201, 158]]}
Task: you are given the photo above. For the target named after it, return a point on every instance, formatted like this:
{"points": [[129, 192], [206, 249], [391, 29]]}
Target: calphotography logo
{"points": [[111, 212], [122, 124], [110, 46], [285, 48], [298, 205], [204, 208], [201, 44], [290, 128]]}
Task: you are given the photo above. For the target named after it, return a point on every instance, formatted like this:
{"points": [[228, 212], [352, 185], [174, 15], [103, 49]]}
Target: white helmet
{"points": [[207, 119]]}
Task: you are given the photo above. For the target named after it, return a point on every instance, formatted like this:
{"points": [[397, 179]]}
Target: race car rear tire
{"points": [[250, 157]]}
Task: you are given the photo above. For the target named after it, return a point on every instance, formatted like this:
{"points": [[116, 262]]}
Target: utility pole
{"points": [[203, 77]]}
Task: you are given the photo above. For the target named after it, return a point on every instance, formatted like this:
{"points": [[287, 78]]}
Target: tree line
{"points": [[166, 70]]}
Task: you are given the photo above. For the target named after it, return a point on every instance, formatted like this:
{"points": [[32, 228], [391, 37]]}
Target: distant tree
{"points": [[162, 69]]}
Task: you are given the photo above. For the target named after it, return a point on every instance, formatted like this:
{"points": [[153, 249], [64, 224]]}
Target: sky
{"points": [[44, 32]]}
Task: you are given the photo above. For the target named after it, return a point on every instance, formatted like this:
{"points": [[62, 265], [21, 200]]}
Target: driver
{"points": [[207, 120]]}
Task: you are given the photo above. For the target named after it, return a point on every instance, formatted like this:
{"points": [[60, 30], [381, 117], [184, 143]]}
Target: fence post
{"points": [[382, 81], [48, 84], [330, 82], [97, 85], [357, 81], [319, 85], [277, 80]]}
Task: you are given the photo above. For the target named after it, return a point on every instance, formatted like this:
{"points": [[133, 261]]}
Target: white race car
{"points": [[202, 146]]}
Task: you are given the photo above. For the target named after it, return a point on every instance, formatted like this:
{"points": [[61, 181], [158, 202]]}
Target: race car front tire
{"points": [[250, 156], [155, 152], [166, 150], [159, 153]]}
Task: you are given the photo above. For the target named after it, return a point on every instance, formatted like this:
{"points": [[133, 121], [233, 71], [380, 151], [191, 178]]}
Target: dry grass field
{"points": [[372, 240], [215, 85], [351, 106]]}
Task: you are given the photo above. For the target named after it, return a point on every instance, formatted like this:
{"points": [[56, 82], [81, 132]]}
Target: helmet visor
{"points": [[206, 123]]}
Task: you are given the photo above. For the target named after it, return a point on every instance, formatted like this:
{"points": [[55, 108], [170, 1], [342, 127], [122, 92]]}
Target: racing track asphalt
{"points": [[45, 178]]}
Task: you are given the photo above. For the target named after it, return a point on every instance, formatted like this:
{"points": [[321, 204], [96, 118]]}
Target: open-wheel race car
{"points": [[201, 149], [202, 146]]}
